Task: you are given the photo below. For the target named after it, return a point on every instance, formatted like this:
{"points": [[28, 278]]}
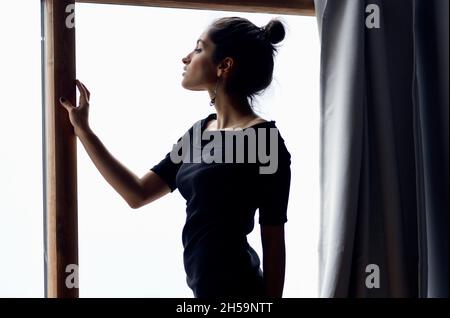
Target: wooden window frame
{"points": [[60, 146]]}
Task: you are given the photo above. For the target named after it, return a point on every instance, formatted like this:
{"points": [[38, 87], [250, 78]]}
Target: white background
{"points": [[130, 59]]}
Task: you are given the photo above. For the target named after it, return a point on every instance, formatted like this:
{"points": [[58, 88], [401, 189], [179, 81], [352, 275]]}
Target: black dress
{"points": [[221, 200]]}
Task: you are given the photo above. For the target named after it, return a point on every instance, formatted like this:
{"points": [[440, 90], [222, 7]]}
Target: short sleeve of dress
{"points": [[168, 168], [273, 194]]}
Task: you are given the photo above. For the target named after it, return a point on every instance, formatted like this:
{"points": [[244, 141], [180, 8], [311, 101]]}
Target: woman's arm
{"points": [[274, 259], [125, 182], [134, 190]]}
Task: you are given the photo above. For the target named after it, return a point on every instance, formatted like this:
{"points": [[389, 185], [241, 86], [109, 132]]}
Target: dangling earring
{"points": [[213, 100]]}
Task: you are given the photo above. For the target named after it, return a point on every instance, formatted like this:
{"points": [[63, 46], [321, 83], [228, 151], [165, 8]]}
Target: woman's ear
{"points": [[225, 66]]}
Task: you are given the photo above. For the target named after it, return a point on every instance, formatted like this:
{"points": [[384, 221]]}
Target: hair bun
{"points": [[274, 31]]}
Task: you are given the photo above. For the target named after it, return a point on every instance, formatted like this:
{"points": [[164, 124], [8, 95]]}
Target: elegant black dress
{"points": [[221, 200]]}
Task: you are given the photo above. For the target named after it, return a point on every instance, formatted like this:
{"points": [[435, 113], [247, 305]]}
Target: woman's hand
{"points": [[79, 116]]}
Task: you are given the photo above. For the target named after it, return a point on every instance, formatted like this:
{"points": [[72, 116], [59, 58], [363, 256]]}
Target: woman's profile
{"points": [[233, 61]]}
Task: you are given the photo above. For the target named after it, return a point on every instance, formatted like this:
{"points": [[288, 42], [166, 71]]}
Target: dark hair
{"points": [[251, 47]]}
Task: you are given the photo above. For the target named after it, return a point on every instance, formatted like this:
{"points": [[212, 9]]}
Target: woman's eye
{"points": [[198, 50]]}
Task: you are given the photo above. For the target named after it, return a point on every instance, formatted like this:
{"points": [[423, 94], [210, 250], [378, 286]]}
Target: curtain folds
{"points": [[384, 148]]}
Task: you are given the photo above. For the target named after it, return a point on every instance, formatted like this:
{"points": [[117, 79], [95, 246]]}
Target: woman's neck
{"points": [[232, 112]]}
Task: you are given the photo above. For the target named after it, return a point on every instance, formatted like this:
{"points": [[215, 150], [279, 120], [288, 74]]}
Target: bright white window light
{"points": [[130, 59], [21, 185]]}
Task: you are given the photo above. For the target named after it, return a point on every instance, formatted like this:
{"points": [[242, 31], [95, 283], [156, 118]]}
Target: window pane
{"points": [[130, 59], [21, 192]]}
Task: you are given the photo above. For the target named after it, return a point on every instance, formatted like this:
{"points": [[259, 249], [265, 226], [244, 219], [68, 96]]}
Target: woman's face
{"points": [[200, 72]]}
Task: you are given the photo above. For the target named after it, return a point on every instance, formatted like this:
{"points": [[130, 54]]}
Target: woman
{"points": [[233, 61]]}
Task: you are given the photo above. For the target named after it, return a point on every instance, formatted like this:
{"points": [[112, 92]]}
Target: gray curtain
{"points": [[384, 148]]}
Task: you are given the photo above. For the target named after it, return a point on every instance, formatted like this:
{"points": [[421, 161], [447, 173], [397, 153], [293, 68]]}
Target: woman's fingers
{"points": [[64, 102], [84, 99], [86, 90]]}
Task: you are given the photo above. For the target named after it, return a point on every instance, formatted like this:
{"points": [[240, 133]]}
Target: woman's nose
{"points": [[187, 58]]}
